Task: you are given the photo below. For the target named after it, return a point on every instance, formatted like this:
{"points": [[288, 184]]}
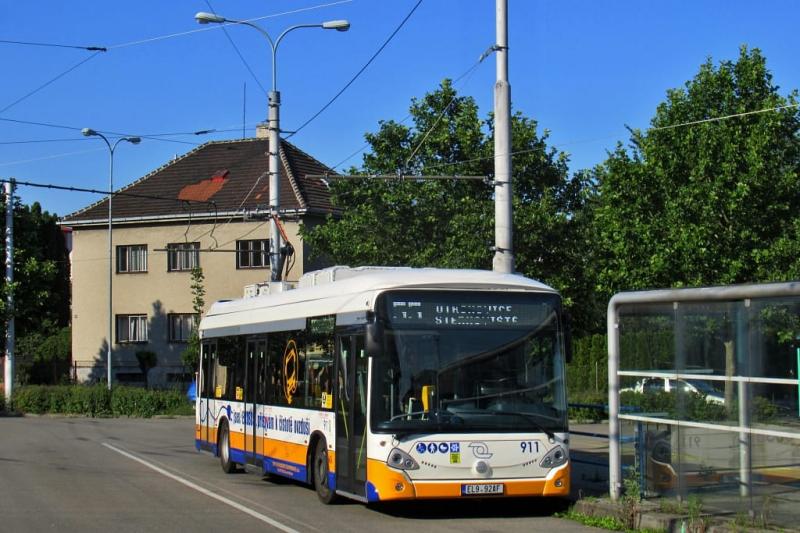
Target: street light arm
{"points": [[274, 44]]}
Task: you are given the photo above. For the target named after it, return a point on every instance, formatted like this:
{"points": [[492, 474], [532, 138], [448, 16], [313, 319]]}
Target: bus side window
{"points": [[318, 348]]}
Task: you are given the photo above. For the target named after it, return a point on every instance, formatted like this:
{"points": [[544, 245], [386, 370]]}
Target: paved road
{"points": [[121, 475]]}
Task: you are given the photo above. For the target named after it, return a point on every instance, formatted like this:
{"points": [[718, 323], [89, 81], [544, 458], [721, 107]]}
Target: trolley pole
{"points": [[9, 367], [503, 221]]}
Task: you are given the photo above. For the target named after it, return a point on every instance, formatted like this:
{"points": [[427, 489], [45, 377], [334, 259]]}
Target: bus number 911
{"points": [[529, 446]]}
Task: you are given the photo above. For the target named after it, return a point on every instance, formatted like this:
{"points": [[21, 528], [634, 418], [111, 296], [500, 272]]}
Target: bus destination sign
{"points": [[422, 310]]}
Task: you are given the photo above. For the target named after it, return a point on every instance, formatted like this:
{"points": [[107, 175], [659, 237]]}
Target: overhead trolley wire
{"points": [[54, 45], [105, 193], [210, 28], [34, 91], [155, 137], [238, 52], [355, 77], [466, 74], [661, 128]]}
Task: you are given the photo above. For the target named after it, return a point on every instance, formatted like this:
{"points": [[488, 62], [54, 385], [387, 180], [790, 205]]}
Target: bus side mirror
{"points": [[374, 340]]}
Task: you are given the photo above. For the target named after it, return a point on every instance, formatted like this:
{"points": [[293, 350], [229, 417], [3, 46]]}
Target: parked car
{"points": [[667, 384]]}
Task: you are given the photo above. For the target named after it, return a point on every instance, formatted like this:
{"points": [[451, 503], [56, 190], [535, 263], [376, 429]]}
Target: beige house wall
{"points": [[156, 293]]}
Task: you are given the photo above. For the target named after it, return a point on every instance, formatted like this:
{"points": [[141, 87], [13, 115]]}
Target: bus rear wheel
{"points": [[319, 465], [224, 443]]}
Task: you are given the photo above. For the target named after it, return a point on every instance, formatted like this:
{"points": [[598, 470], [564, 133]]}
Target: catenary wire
{"points": [[105, 193], [456, 81], [441, 115], [58, 77], [55, 45], [671, 126], [180, 34], [53, 156], [726, 117], [44, 141], [238, 52], [354, 78]]}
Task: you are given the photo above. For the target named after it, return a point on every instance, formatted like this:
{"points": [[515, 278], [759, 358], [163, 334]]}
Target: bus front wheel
{"points": [[228, 466], [320, 470]]}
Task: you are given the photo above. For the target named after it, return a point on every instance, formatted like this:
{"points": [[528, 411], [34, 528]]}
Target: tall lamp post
{"points": [[275, 253], [88, 132]]}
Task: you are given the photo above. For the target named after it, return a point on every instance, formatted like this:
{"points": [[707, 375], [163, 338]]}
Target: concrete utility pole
{"points": [[9, 369], [503, 221], [277, 252]]}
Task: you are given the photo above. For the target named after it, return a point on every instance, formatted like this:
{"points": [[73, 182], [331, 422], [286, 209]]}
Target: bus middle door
{"points": [[351, 415], [253, 389]]}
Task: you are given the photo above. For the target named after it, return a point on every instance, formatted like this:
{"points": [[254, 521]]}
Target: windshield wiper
{"points": [[529, 417]]}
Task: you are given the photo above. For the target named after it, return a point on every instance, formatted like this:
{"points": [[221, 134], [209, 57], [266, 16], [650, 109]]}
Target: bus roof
{"points": [[349, 298]]}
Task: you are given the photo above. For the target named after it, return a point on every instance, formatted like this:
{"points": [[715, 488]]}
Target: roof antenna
{"points": [[244, 107]]}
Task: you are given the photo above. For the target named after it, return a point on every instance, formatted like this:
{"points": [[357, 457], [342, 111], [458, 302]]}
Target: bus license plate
{"points": [[481, 489]]}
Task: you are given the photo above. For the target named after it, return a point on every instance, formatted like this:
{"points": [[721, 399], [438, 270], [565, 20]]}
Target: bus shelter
{"points": [[706, 381]]}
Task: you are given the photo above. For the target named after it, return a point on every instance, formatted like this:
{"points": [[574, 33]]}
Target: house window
{"points": [[183, 256], [181, 326], [252, 253], [132, 258], [131, 328]]}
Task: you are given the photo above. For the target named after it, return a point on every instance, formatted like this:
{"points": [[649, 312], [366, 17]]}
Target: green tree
{"points": [[450, 223], [43, 355], [41, 269], [191, 355], [41, 294], [713, 202]]}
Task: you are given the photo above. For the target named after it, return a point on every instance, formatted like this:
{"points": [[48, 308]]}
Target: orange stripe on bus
{"points": [[392, 484]]}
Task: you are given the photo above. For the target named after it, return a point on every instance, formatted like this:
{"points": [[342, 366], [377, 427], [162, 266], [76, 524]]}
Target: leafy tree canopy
{"points": [[450, 223], [41, 269], [713, 202]]}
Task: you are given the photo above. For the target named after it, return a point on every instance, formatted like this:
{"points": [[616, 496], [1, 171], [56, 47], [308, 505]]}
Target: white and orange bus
{"points": [[391, 383]]}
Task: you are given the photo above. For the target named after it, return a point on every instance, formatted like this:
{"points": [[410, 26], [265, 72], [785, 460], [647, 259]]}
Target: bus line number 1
{"points": [[529, 446]]}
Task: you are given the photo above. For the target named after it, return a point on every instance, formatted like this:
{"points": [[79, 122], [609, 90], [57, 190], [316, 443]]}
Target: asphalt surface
{"points": [[132, 475]]}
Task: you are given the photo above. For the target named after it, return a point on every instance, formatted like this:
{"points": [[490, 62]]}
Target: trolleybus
{"points": [[384, 384]]}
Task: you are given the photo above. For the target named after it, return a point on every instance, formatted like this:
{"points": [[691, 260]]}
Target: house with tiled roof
{"points": [[207, 208]]}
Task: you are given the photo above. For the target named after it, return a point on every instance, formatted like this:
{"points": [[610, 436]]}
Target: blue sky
{"points": [[582, 69]]}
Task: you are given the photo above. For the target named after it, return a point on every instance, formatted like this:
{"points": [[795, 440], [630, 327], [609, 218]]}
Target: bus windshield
{"points": [[460, 361]]}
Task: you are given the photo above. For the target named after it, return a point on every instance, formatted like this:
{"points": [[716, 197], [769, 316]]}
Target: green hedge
{"points": [[97, 400]]}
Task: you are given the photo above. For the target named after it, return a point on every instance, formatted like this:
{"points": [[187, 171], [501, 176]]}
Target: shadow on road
{"points": [[473, 508]]}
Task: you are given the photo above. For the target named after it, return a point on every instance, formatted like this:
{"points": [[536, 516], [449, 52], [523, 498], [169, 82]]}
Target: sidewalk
{"points": [[589, 460]]}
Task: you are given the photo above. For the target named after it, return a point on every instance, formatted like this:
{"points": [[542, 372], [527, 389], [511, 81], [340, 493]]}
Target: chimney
{"points": [[262, 130]]}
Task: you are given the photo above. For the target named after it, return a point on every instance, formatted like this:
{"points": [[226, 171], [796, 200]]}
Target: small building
{"points": [[208, 208]]}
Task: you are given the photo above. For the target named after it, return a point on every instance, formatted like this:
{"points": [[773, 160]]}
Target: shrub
{"points": [[89, 401], [587, 406], [133, 401], [97, 400], [3, 402], [30, 399]]}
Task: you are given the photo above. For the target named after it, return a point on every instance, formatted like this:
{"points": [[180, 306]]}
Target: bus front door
{"points": [[351, 415], [205, 392], [254, 394]]}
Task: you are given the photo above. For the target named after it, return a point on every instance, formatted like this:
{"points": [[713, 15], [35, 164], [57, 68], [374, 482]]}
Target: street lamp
{"points": [[88, 132], [275, 253]]}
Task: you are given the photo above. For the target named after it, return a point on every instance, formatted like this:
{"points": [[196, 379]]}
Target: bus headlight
{"points": [[555, 457], [401, 460]]}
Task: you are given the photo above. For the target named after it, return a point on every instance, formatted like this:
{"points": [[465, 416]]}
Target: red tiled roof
{"points": [[231, 174]]}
